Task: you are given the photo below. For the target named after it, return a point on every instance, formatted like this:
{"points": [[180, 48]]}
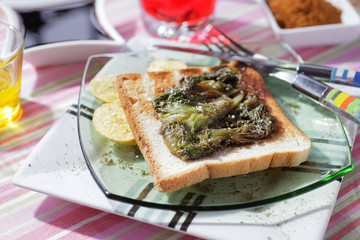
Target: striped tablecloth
{"points": [[48, 91]]}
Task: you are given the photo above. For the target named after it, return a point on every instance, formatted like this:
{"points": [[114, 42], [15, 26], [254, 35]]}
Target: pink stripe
{"points": [[137, 232], [22, 134], [30, 130], [12, 195], [31, 211], [97, 227], [188, 237], [342, 233], [51, 203], [61, 97], [32, 109], [142, 232], [119, 13], [35, 211], [222, 7], [58, 225], [26, 145], [16, 160], [116, 14], [6, 187], [49, 74], [59, 74], [307, 53], [343, 191], [345, 57], [125, 24], [343, 214], [237, 24], [354, 186], [345, 209], [115, 228], [254, 36], [356, 148], [53, 100], [126, 34], [29, 81], [148, 230]]}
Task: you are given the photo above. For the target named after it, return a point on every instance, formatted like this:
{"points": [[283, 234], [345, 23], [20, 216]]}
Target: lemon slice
{"points": [[166, 65], [109, 121], [103, 88]]}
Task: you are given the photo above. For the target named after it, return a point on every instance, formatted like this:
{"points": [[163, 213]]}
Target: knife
{"points": [[342, 103], [334, 75]]}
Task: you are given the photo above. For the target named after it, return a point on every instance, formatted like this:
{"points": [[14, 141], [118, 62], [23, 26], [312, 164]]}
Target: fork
{"points": [[223, 43]]}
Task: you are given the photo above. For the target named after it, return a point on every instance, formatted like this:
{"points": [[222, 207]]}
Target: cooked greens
{"points": [[209, 111]]}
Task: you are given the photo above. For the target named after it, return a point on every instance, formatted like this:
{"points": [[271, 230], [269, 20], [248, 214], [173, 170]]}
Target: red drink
{"points": [[191, 11], [179, 19]]}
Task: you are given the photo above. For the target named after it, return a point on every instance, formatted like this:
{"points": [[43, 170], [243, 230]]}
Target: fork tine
{"points": [[214, 43], [237, 45], [228, 48], [206, 45]]}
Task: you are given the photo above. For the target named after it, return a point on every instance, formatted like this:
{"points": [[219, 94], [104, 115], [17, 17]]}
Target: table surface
{"points": [[26, 214]]}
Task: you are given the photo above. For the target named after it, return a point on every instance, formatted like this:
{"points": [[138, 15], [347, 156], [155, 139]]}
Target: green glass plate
{"points": [[123, 175]]}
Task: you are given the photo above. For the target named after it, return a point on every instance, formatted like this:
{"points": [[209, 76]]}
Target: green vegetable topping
{"points": [[209, 111]]}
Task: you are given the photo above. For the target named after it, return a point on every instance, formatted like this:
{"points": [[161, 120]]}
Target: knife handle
{"points": [[335, 75], [342, 103]]}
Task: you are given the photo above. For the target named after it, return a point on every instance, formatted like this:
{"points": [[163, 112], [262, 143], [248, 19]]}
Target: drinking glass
{"points": [[176, 18], [11, 52]]}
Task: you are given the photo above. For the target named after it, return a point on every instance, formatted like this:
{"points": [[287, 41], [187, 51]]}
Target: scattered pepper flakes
{"points": [[108, 161]]}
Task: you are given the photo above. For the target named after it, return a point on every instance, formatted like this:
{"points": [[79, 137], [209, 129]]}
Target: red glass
{"points": [[179, 11]]}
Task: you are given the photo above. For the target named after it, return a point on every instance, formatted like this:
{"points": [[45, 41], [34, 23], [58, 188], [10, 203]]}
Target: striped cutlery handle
{"points": [[342, 103], [335, 75], [347, 105]]}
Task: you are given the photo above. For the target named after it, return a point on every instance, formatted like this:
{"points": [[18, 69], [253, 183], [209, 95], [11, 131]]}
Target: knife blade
{"points": [[342, 103], [265, 65]]}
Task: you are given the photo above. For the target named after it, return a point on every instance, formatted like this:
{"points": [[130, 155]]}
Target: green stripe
{"points": [[165, 234], [124, 230], [353, 105], [331, 94]]}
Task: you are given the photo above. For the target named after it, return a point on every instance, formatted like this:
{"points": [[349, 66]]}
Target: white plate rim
{"points": [[38, 55], [42, 4], [12, 17], [104, 22]]}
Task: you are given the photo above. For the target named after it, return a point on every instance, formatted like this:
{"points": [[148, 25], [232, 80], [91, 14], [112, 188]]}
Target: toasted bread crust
{"points": [[171, 173]]}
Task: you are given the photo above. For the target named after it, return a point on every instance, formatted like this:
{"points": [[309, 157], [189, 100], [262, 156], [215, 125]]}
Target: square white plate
{"points": [[57, 167], [329, 34]]}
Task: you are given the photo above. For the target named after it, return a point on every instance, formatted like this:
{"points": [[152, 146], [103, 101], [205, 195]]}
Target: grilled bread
{"points": [[287, 146]]}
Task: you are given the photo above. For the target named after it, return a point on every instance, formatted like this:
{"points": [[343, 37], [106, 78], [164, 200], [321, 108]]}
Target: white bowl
{"points": [[346, 31]]}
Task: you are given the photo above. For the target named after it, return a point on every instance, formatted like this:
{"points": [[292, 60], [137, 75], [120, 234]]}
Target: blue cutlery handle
{"points": [[335, 75]]}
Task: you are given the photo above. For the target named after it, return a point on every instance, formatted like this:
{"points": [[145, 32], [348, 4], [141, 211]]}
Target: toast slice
{"points": [[287, 146]]}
